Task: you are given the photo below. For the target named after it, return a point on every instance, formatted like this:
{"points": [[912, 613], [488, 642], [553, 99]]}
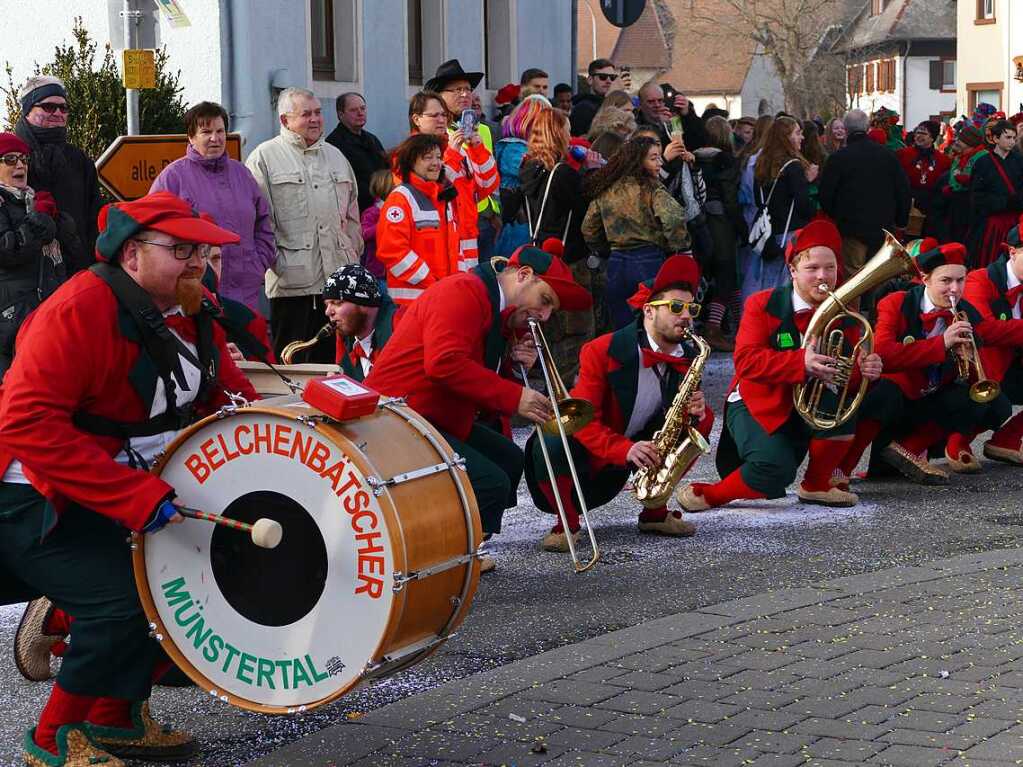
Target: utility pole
{"points": [[130, 17]]}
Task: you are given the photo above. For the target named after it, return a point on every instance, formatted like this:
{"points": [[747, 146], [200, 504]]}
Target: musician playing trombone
{"points": [[765, 439], [631, 377], [453, 355]]}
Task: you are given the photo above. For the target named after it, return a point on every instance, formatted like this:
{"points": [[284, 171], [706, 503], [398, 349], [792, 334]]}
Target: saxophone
{"points": [[288, 352], [677, 441]]}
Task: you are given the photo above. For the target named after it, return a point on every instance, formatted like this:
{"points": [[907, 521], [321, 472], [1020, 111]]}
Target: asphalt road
{"points": [[533, 602]]}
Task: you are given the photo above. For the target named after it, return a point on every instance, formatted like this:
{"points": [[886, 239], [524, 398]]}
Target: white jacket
{"points": [[314, 204]]}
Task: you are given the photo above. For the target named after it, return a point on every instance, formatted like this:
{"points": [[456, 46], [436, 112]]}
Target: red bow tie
{"points": [[651, 358], [358, 353], [183, 326], [930, 319], [1013, 295], [802, 318]]}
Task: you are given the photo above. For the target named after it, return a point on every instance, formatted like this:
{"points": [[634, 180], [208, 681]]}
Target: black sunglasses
{"points": [[605, 76], [51, 108]]}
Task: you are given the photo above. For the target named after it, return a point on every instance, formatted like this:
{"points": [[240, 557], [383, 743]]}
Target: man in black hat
{"points": [[363, 317]]}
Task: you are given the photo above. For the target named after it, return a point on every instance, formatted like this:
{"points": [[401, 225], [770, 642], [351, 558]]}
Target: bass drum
{"points": [[377, 566]]}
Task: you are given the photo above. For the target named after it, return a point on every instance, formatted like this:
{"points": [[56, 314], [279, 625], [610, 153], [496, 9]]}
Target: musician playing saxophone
{"points": [[765, 439], [362, 315], [631, 376]]}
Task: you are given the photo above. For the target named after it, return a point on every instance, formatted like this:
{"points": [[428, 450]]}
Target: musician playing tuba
{"points": [[632, 377], [765, 438]]}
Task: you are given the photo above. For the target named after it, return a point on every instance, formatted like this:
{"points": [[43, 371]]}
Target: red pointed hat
{"points": [[676, 270], [546, 262], [158, 212], [820, 232]]}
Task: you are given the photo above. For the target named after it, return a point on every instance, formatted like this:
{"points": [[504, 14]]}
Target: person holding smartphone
{"points": [[602, 78]]}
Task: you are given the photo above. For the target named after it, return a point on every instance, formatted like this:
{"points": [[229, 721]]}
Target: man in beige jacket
{"points": [[315, 212]]}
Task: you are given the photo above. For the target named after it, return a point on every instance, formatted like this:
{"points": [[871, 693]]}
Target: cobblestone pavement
{"points": [[908, 666]]}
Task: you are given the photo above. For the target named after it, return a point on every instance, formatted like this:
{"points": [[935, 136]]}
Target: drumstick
{"points": [[265, 533]]}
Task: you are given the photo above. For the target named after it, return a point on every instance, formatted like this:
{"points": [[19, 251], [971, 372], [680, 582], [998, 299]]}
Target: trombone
{"points": [[967, 359], [570, 415]]}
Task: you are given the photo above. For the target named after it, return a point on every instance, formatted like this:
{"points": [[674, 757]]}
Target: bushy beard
{"points": [[189, 294]]}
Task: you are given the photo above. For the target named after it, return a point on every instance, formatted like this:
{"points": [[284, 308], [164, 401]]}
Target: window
{"points": [[985, 12], [321, 14], [988, 93], [943, 75], [414, 11], [871, 77], [855, 75], [888, 76]]}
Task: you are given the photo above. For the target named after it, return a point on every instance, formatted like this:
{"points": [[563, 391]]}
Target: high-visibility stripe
{"points": [[464, 245], [421, 274], [486, 167], [419, 213], [405, 264], [466, 264], [410, 293]]}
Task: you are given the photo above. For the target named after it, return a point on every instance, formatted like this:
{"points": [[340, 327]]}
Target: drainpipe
{"points": [[236, 55], [905, 69], [573, 66]]}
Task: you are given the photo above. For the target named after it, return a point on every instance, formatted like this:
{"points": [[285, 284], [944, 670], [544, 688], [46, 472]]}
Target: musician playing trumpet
{"points": [[631, 376], [765, 439]]}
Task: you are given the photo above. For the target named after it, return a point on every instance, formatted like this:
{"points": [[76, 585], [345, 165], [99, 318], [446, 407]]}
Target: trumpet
{"points": [[288, 352], [570, 415], [967, 360]]}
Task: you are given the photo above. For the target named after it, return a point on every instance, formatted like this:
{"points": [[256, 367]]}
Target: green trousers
{"points": [[599, 487], [83, 565], [494, 464]]}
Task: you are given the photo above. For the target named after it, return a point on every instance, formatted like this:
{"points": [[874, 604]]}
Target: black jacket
{"points": [[694, 134], [365, 153], [584, 107], [864, 189], [792, 192], [565, 199], [69, 175]]}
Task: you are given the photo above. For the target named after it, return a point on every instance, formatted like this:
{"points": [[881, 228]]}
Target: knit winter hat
{"points": [[38, 88], [353, 283], [10, 142], [821, 232]]}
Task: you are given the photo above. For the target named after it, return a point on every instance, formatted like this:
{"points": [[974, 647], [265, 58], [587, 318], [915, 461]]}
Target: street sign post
{"points": [[622, 13], [131, 164]]}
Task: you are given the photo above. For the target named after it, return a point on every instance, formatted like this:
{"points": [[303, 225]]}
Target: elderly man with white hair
{"points": [[315, 213]]}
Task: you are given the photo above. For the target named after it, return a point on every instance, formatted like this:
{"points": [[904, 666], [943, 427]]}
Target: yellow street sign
{"points": [[139, 68]]}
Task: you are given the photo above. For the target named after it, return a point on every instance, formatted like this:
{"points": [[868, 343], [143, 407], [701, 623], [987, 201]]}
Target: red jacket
{"points": [[1003, 335], [73, 355], [473, 171], [443, 355], [924, 174], [608, 377]]}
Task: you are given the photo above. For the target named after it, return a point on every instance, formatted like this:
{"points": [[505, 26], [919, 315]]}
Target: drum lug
{"points": [[236, 399], [400, 578], [226, 411], [312, 420], [154, 634]]}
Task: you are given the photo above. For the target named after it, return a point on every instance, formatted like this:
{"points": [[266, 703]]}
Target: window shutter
{"points": [[936, 75]]}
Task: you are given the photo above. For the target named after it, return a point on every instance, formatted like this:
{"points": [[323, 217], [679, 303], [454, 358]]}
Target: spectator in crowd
{"points": [[863, 190], [601, 79], [248, 334], [926, 170], [534, 81], [813, 152], [996, 195], [58, 167], [361, 148], [781, 184], [31, 266], [509, 153], [553, 189], [478, 233], [381, 184], [606, 144], [742, 133], [315, 212], [610, 118], [505, 100], [563, 97], [470, 167], [669, 112], [417, 238], [834, 136], [632, 220], [970, 147], [720, 171], [214, 183]]}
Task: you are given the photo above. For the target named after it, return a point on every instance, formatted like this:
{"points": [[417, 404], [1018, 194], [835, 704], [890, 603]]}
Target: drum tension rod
{"points": [[400, 578], [406, 652], [378, 484]]}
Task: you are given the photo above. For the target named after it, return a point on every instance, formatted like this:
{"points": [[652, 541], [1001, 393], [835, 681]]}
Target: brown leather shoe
{"points": [[1003, 454], [32, 644], [674, 524], [690, 501], [716, 338], [487, 565], [913, 466], [558, 542], [834, 496], [146, 741], [966, 463], [74, 749]]}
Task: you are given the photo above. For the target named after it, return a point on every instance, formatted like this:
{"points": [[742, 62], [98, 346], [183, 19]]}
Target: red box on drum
{"points": [[340, 397]]}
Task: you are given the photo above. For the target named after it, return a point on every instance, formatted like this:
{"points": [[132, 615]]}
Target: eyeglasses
{"points": [[13, 159], [183, 251], [458, 91], [677, 306], [605, 76], [434, 115], [50, 108]]}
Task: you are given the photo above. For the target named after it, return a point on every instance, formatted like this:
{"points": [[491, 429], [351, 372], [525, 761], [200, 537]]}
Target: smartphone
{"points": [[467, 122]]}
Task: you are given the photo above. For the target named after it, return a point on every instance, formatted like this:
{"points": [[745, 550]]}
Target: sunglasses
{"points": [[13, 159], [677, 306], [51, 108], [605, 76]]}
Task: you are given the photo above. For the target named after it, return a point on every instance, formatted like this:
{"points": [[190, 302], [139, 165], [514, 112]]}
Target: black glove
{"points": [[39, 227]]}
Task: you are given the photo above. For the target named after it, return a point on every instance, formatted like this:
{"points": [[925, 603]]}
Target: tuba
{"points": [[889, 262], [288, 352], [677, 441]]}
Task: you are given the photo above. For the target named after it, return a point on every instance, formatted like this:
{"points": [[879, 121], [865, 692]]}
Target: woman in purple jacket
{"points": [[214, 183]]}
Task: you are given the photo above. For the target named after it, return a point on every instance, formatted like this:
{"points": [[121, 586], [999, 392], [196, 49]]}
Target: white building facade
{"points": [[242, 53]]}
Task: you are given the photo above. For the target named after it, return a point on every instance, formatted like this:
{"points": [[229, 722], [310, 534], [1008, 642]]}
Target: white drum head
{"points": [[282, 627]]}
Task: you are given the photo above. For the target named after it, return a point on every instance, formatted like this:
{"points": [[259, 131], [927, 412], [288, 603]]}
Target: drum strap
{"points": [[163, 348]]}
